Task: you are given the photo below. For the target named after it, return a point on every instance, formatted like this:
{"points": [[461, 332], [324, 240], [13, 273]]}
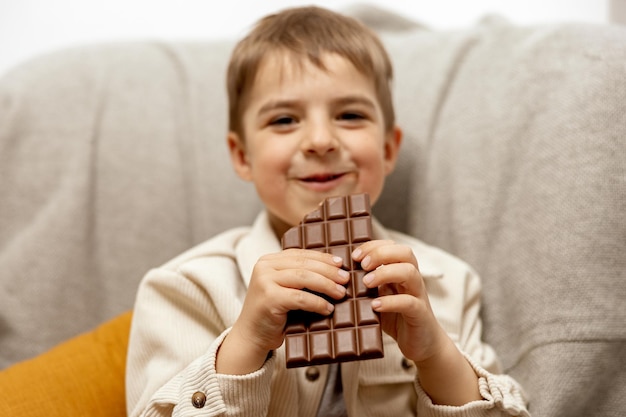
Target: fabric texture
{"points": [[80, 377], [183, 313], [112, 160], [520, 169]]}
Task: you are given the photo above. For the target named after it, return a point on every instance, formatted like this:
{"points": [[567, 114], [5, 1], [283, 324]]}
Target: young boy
{"points": [[311, 116]]}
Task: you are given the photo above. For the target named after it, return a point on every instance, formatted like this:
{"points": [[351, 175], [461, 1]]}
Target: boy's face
{"points": [[311, 134]]}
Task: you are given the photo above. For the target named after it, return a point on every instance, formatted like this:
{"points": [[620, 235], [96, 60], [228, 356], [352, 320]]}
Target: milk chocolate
{"points": [[352, 332]]}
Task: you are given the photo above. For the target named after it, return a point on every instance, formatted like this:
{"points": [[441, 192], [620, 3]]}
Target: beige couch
{"points": [[113, 160]]}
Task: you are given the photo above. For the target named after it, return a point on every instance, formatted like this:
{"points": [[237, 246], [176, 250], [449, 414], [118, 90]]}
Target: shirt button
{"points": [[198, 399], [312, 374]]}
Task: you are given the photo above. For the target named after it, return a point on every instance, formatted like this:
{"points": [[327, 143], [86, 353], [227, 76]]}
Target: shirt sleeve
{"points": [[175, 336], [502, 395], [200, 391]]}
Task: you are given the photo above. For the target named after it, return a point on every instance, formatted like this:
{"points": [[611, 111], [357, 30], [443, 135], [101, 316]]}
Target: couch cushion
{"points": [[81, 377]]}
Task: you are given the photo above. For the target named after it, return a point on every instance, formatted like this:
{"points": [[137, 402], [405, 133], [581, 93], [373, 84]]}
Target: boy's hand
{"points": [[275, 289], [406, 315], [405, 309]]}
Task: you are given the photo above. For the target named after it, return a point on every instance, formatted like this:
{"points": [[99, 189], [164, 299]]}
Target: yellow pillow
{"points": [[83, 376]]}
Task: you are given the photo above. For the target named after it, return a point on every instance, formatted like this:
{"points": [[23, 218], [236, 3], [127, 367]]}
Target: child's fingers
{"points": [[321, 263], [300, 279], [364, 249], [373, 254], [304, 300], [403, 277], [404, 304], [279, 280]]}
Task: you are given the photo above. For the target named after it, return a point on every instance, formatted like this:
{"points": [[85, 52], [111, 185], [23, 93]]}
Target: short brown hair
{"points": [[308, 32]]}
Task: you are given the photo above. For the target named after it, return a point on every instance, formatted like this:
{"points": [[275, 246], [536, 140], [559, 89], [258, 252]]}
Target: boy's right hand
{"points": [[275, 289]]}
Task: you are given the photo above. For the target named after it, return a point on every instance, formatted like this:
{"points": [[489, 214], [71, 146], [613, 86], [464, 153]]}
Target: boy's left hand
{"points": [[406, 314]]}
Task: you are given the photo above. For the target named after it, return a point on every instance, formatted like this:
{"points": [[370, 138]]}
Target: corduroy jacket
{"points": [[185, 308]]}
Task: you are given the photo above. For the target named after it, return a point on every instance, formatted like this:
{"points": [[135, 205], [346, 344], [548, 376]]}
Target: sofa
{"points": [[113, 160]]}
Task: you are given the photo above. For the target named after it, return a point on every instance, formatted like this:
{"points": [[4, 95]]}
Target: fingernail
{"points": [[376, 304], [356, 253], [366, 261], [330, 308], [344, 274], [338, 260], [341, 289], [368, 278]]}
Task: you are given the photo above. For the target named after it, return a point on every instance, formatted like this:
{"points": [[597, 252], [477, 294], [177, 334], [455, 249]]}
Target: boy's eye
{"points": [[282, 120], [351, 116]]}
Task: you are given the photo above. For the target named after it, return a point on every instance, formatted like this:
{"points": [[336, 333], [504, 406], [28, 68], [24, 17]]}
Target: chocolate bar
{"points": [[352, 332]]}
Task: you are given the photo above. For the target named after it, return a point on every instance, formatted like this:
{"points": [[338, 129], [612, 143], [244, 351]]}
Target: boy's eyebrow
{"points": [[356, 99], [277, 104], [340, 101]]}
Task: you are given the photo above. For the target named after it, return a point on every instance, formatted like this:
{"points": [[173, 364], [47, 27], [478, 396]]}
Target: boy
{"points": [[310, 117]]}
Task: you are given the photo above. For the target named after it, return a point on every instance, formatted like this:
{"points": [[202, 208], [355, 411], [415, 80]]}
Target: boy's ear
{"points": [[239, 156], [393, 140]]}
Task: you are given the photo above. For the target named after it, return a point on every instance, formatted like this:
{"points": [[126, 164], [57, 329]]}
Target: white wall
{"points": [[29, 27]]}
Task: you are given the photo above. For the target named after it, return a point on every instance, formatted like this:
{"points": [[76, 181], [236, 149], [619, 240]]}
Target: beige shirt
{"points": [[185, 308]]}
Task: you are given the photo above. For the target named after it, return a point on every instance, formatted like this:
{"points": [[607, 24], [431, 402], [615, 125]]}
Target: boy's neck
{"points": [[278, 226]]}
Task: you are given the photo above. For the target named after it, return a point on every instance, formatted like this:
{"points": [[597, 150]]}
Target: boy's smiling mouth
{"points": [[323, 182], [322, 177]]}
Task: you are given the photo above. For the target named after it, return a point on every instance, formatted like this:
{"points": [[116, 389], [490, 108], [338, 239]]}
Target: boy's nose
{"points": [[320, 140]]}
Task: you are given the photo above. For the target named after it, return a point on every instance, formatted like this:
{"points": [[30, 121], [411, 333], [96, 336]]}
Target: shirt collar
{"points": [[260, 241]]}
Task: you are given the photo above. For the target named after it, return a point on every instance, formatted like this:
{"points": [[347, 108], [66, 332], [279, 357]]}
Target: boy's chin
{"points": [[280, 224]]}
